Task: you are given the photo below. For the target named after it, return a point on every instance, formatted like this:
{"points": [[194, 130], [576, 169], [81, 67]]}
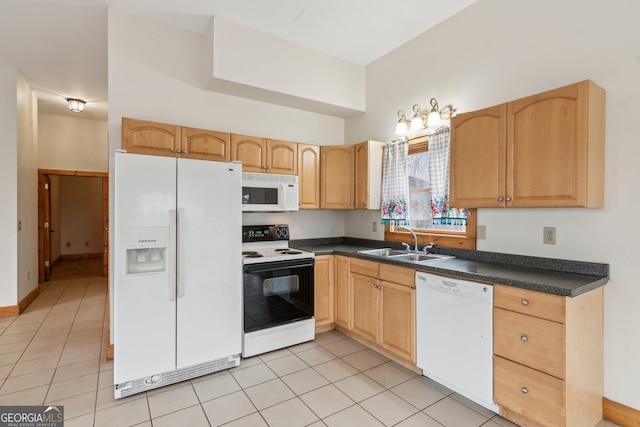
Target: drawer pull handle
{"points": [[525, 302], [524, 390], [524, 338]]}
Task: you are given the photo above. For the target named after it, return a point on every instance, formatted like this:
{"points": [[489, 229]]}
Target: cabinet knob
{"points": [[524, 302], [508, 199], [364, 203], [500, 199], [524, 338], [524, 390], [178, 150]]}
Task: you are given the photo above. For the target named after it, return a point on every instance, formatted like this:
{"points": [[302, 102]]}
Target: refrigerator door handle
{"points": [[181, 287], [172, 268]]}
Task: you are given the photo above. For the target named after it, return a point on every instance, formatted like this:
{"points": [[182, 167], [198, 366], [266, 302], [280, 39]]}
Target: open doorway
{"points": [[72, 218]]}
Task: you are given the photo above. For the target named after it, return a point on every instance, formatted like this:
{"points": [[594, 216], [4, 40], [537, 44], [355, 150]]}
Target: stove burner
{"points": [[288, 251], [251, 254]]}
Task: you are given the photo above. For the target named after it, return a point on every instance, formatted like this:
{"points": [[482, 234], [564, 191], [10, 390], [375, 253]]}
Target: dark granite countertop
{"points": [[552, 276]]}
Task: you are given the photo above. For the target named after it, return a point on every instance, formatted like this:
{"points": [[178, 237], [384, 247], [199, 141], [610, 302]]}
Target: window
{"points": [[452, 232]]}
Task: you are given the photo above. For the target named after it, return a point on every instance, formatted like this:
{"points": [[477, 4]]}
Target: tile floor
{"points": [[55, 353]]}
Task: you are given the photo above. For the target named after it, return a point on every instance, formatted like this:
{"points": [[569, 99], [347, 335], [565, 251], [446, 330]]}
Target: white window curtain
{"points": [[395, 184], [439, 162]]}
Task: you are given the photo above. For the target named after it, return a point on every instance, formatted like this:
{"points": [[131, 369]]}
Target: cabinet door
{"points": [[342, 291], [282, 157], [478, 156], [251, 151], [143, 137], [397, 324], [361, 175], [309, 176], [550, 147], [323, 292], [336, 177], [206, 145], [364, 310]]}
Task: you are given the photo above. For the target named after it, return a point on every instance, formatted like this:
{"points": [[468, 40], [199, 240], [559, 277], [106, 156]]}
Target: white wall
{"points": [[80, 213], [499, 50], [27, 123], [9, 187], [69, 143], [281, 72]]}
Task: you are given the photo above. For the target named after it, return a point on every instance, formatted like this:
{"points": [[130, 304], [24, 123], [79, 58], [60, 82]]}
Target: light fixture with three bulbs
{"points": [[422, 120]]}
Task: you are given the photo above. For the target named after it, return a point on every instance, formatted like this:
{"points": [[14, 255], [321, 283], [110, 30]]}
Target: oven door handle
{"points": [[277, 265]]}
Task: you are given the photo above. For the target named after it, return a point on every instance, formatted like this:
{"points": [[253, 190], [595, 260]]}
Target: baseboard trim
{"points": [[14, 310], [620, 414]]}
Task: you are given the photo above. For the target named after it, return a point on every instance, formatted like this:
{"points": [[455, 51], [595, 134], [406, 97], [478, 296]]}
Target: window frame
{"points": [[450, 239]]}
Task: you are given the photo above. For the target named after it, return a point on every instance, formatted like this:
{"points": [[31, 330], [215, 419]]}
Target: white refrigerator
{"points": [[177, 288]]}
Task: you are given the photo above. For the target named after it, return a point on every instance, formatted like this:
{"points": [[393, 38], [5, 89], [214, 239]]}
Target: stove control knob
{"points": [[282, 233]]}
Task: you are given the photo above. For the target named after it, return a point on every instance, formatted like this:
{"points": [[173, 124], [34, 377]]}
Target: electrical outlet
{"points": [[374, 226], [549, 235], [482, 232], [28, 274]]}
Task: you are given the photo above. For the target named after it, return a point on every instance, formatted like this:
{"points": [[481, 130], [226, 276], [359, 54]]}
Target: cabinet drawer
{"points": [[534, 342], [401, 275], [538, 304], [525, 391], [361, 266]]}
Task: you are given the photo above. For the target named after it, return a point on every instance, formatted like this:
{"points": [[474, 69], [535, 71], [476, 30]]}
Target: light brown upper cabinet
{"points": [[351, 176], [309, 176], [336, 181], [368, 174], [546, 150], [265, 155], [160, 139], [144, 137], [206, 145]]}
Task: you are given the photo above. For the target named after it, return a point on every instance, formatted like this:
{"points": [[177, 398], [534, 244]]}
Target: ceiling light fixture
{"points": [[422, 120], [76, 105]]}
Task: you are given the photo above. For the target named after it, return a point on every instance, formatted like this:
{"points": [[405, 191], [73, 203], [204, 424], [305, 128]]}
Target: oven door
{"points": [[278, 292]]}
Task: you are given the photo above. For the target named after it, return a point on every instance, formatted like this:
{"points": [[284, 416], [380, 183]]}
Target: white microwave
{"points": [[266, 192]]}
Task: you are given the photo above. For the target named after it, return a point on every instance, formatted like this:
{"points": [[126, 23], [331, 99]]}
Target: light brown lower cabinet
{"points": [[342, 291], [383, 312], [548, 362], [323, 294]]}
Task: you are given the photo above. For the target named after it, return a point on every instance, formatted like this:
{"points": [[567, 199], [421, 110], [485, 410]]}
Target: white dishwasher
{"points": [[454, 326]]}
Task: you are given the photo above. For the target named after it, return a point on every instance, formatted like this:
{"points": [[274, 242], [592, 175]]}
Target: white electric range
{"points": [[278, 290]]}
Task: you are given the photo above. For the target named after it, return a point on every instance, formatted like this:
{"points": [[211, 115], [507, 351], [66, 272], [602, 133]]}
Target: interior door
{"points": [[209, 311], [45, 225]]}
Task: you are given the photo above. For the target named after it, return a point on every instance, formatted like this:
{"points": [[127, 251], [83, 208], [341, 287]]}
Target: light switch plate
{"points": [[482, 232]]}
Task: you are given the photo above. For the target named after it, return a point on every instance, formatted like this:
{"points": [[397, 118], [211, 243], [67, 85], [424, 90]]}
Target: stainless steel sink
{"points": [[401, 255], [385, 252], [420, 257]]}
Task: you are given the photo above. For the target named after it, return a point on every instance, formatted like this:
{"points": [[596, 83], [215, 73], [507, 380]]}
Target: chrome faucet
{"points": [[415, 238]]}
